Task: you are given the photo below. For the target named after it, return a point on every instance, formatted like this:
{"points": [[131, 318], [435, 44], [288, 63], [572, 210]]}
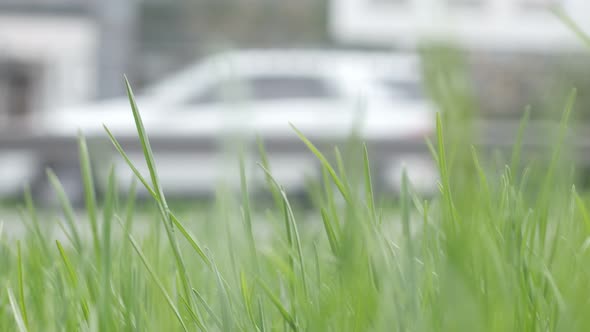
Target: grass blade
{"points": [[405, 212], [159, 284], [106, 256], [332, 238], [247, 298], [208, 309], [573, 26], [159, 196], [89, 191], [30, 207], [67, 209], [339, 184], [67, 264], [134, 169], [145, 145], [18, 318], [227, 320], [444, 171], [517, 149], [277, 303], [21, 285], [290, 218], [264, 161], [369, 195], [583, 211], [190, 240], [247, 215]]}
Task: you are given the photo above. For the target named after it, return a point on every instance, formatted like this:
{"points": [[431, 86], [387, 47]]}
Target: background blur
{"points": [[59, 53]]}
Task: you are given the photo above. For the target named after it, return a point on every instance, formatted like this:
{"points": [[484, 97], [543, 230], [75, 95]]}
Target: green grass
{"points": [[488, 254], [498, 249]]}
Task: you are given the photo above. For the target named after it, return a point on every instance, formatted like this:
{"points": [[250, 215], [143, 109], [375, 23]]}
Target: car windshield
{"points": [[266, 88]]}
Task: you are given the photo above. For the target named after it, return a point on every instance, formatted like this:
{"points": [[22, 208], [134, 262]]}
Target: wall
{"points": [[505, 25], [59, 50]]}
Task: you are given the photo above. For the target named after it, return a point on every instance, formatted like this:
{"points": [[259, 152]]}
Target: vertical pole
{"points": [[117, 22]]}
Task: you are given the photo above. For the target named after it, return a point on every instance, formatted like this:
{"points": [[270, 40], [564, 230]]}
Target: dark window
{"points": [[276, 88], [225, 91], [404, 89], [16, 89], [265, 88]]}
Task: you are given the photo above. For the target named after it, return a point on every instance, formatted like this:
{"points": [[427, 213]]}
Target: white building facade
{"points": [[504, 25], [47, 59]]}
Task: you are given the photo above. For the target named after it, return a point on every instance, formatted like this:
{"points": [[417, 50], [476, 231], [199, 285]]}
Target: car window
{"points": [[397, 89], [224, 91], [266, 88], [275, 88]]}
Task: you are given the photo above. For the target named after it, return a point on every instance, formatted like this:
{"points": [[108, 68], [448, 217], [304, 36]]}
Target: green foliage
{"points": [[503, 260], [499, 250]]}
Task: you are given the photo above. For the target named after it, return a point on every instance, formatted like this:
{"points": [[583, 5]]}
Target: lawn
{"points": [[503, 246], [499, 250]]}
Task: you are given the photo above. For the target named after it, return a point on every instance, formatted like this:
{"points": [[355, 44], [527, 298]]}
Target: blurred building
{"points": [[55, 53], [47, 52], [519, 52], [500, 25]]}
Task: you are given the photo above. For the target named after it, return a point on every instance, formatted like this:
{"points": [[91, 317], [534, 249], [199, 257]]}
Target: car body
{"points": [[236, 97]]}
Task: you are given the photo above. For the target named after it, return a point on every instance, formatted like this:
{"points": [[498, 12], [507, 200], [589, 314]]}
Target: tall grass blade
{"points": [[21, 285], [290, 218], [573, 26], [196, 247], [208, 309], [160, 199], [280, 307], [145, 145], [517, 149], [265, 162], [444, 171], [369, 195], [582, 208], [330, 232], [161, 287], [247, 214], [227, 319], [134, 169], [106, 253], [69, 215], [67, 264], [405, 213], [89, 191], [18, 318], [30, 208], [337, 181], [247, 298]]}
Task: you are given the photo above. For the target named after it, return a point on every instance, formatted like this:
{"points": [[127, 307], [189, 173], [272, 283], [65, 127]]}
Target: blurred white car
{"points": [[237, 96]]}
